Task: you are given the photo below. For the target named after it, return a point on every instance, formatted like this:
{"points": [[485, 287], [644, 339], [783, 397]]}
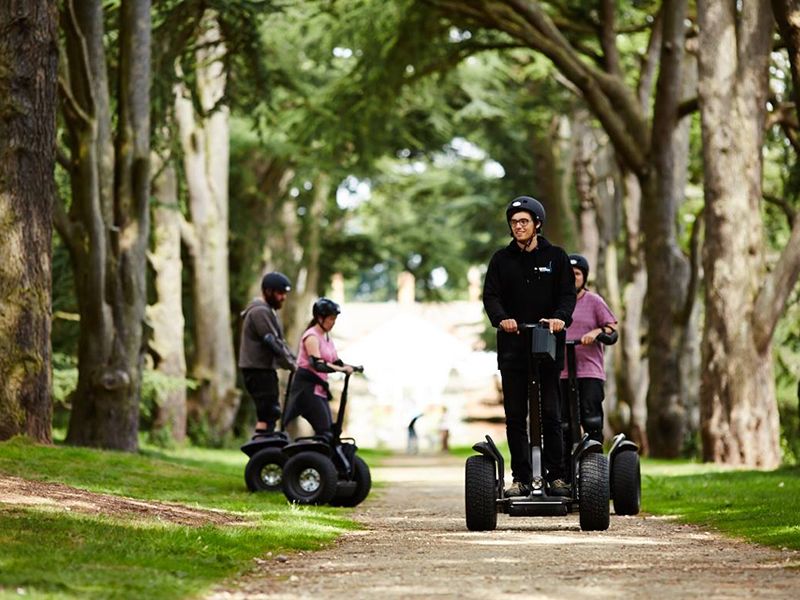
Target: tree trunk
{"points": [[667, 267], [633, 376], [552, 164], [28, 69], [166, 315], [107, 228], [738, 408], [205, 144]]}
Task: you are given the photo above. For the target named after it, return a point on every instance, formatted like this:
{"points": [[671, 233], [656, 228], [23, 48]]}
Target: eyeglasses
{"points": [[520, 222]]}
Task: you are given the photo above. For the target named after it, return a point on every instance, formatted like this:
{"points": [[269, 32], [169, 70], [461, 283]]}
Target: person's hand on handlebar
{"points": [[509, 325], [555, 325], [589, 338]]}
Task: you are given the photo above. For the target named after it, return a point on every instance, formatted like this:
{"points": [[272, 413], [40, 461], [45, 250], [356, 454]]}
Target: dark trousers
{"points": [[591, 393], [314, 409], [262, 385], [515, 403]]}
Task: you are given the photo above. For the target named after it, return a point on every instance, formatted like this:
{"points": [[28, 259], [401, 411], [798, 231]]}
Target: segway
{"points": [[623, 457], [264, 470], [484, 487], [326, 471]]}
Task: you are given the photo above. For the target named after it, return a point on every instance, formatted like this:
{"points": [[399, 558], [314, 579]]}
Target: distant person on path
{"points": [[413, 439], [591, 317], [309, 395], [530, 281], [263, 349]]}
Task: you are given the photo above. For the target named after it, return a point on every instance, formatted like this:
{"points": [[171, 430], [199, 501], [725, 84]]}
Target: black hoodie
{"points": [[527, 287]]}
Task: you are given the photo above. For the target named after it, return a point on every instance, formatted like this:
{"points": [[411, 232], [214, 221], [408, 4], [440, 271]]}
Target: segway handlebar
{"points": [[528, 326], [607, 339]]}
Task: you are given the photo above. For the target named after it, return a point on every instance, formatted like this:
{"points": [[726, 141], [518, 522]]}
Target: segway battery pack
{"points": [[543, 343]]}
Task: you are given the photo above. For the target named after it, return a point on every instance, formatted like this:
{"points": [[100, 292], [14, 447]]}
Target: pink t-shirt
{"points": [[591, 312], [327, 351]]}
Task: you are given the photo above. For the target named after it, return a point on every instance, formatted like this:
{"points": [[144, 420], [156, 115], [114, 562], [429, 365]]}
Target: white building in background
{"points": [[419, 360]]}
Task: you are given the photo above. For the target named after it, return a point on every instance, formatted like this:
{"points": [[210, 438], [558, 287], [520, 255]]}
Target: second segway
{"points": [[327, 471], [623, 457]]}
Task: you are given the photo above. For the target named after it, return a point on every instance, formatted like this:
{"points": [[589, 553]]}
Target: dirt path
{"points": [[415, 544]]}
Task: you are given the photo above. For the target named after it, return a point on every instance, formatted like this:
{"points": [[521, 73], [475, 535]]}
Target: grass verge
{"points": [[760, 506], [50, 553]]}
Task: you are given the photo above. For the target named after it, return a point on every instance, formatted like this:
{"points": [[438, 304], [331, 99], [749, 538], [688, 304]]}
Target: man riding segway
{"points": [[529, 295], [530, 281]]}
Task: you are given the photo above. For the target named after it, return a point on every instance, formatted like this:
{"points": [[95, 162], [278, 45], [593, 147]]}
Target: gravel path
{"points": [[415, 544]]}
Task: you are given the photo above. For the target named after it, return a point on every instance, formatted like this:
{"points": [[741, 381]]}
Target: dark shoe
{"points": [[518, 489], [559, 487]]}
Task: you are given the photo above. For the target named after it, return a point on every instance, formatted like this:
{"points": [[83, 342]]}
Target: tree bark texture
{"points": [[667, 267], [738, 406], [166, 315], [647, 151], [107, 227], [28, 67], [205, 144]]}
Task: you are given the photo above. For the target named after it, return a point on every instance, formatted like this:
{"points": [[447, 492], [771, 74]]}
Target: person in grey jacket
{"points": [[263, 349]]}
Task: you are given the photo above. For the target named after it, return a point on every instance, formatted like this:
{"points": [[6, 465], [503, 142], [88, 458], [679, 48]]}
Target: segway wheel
{"points": [[626, 483], [363, 479], [593, 492], [480, 493], [264, 470], [309, 478]]}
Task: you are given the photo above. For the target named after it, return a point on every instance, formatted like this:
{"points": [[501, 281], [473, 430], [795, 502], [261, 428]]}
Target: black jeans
{"points": [[515, 403], [592, 393], [314, 409], [262, 385]]}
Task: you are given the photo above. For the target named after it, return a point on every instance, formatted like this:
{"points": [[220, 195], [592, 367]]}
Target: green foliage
{"points": [[763, 507], [96, 556]]}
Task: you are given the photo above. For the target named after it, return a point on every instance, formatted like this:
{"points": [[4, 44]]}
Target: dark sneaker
{"points": [[559, 487], [518, 489]]}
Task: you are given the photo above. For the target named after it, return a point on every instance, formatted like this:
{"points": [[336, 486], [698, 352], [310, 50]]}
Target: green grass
{"points": [[759, 506], [56, 554]]}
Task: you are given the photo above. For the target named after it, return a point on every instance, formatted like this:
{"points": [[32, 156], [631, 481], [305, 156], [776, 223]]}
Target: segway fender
{"points": [[275, 440], [489, 449], [307, 445], [588, 446], [621, 444]]}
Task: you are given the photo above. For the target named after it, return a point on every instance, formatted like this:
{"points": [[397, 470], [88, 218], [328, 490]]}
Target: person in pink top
{"points": [[591, 317], [309, 394]]}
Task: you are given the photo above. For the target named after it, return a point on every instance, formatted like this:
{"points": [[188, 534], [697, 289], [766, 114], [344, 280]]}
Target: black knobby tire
{"points": [[309, 478], [363, 479], [626, 483], [480, 493], [264, 470], [593, 492]]}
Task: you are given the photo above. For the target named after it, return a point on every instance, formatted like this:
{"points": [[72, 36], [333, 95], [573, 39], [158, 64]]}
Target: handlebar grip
{"points": [[608, 338], [358, 369]]}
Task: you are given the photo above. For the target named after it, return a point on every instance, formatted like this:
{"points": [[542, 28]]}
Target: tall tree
{"points": [[202, 118], [166, 314], [28, 66], [106, 226], [743, 300]]}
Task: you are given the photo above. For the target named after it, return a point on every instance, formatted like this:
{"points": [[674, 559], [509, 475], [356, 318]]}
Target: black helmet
{"points": [[528, 204], [276, 281], [325, 307], [579, 262]]}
